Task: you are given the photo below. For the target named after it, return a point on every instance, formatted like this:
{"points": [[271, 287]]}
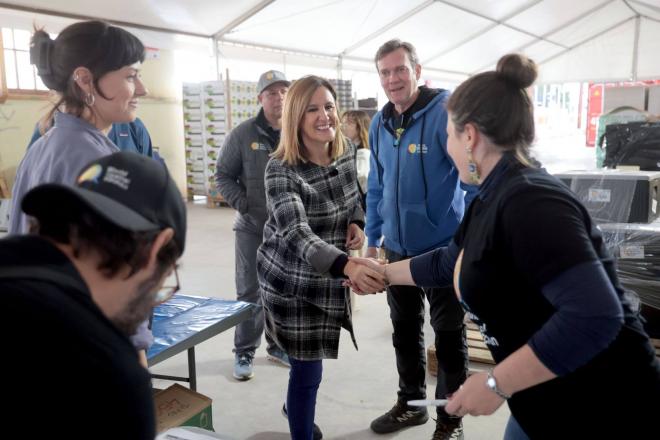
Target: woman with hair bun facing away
{"points": [[530, 267]]}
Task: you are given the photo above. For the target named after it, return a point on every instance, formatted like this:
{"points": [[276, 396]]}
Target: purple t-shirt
{"points": [[58, 157]]}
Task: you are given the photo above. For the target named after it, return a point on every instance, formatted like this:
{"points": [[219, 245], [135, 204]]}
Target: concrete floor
{"points": [[356, 388]]}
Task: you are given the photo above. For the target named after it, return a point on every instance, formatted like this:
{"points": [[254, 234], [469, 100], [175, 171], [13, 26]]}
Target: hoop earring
{"points": [[90, 99], [472, 167]]}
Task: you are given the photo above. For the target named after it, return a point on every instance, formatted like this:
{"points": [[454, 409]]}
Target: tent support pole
{"points": [[635, 57]]}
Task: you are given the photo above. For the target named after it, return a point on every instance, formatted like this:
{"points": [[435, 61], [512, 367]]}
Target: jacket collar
{"points": [[66, 120], [426, 95], [489, 186], [265, 129]]}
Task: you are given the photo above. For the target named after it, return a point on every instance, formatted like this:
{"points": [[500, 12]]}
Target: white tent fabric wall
{"points": [[611, 56], [587, 40], [571, 40], [648, 61], [201, 46]]}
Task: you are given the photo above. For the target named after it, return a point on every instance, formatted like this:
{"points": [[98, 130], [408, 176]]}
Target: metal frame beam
{"points": [[89, 17], [242, 18], [481, 31], [552, 31], [501, 22], [383, 29], [635, 54], [436, 71], [652, 7], [586, 40], [646, 5], [278, 49]]}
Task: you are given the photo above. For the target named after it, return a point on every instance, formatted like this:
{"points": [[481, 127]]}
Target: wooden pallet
{"points": [[215, 202], [477, 350]]}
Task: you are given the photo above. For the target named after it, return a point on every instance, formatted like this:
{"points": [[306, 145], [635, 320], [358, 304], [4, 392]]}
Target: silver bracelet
{"points": [[491, 383]]}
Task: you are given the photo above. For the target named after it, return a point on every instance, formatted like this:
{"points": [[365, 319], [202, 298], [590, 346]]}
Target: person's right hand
{"points": [[372, 252], [373, 263], [364, 276]]}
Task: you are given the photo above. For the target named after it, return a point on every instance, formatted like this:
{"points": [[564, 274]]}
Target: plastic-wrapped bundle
{"points": [[634, 143], [616, 195], [637, 248]]}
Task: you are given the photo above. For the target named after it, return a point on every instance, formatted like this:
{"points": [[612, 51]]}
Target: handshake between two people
{"points": [[366, 275]]}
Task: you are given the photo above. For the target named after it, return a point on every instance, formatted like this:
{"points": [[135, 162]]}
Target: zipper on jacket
{"points": [[398, 213], [421, 158], [377, 151]]}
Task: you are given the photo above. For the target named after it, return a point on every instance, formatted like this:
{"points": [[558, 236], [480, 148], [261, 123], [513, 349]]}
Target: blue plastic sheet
{"points": [[185, 316]]}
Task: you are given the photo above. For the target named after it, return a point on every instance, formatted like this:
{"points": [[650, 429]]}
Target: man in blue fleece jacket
{"points": [[415, 202]]}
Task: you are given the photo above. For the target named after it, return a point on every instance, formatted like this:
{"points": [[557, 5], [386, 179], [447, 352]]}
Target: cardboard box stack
{"points": [[369, 105], [214, 105], [344, 90], [244, 102], [205, 128], [193, 139]]}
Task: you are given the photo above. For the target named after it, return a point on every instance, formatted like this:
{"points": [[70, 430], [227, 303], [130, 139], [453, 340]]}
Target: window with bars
{"points": [[20, 75]]}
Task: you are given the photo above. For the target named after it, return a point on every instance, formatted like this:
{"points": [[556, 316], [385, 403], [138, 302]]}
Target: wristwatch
{"points": [[491, 383]]}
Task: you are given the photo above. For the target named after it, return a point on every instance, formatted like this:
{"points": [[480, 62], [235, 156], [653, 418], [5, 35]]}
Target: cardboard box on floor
{"points": [[179, 406]]}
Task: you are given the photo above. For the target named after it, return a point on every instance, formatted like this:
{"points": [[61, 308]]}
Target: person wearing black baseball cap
{"points": [[95, 263]]}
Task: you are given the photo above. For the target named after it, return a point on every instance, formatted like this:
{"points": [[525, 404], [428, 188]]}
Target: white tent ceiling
{"points": [[571, 40]]}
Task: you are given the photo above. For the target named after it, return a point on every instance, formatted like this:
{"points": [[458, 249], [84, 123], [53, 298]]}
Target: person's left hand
{"points": [[354, 237], [474, 398]]}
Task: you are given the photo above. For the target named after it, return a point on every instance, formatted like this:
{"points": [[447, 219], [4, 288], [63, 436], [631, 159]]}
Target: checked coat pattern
{"points": [[309, 210]]}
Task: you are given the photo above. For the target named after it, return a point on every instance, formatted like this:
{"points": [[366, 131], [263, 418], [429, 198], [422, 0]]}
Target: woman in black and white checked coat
{"points": [[314, 217]]}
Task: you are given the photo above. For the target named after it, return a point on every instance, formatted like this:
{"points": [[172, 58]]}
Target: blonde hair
{"points": [[291, 149], [362, 121]]}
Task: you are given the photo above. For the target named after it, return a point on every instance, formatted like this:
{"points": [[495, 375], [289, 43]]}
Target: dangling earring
{"points": [[472, 167], [89, 99]]}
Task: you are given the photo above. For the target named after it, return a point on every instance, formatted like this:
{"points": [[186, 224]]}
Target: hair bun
{"points": [[41, 54], [517, 69]]}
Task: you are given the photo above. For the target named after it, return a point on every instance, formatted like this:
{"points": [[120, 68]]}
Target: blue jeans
{"points": [[304, 381], [513, 430]]}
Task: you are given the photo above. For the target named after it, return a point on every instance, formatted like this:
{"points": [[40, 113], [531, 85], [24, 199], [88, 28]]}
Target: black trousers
{"points": [[407, 314]]}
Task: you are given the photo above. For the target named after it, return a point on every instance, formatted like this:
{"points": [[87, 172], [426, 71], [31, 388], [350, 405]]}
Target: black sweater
{"points": [[69, 372]]}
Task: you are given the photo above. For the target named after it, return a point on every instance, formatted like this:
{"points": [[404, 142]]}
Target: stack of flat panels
{"points": [[625, 205], [637, 248], [616, 196]]}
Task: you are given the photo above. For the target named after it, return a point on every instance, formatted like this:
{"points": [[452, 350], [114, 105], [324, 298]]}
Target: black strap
{"points": [[361, 193], [376, 149], [41, 273]]}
